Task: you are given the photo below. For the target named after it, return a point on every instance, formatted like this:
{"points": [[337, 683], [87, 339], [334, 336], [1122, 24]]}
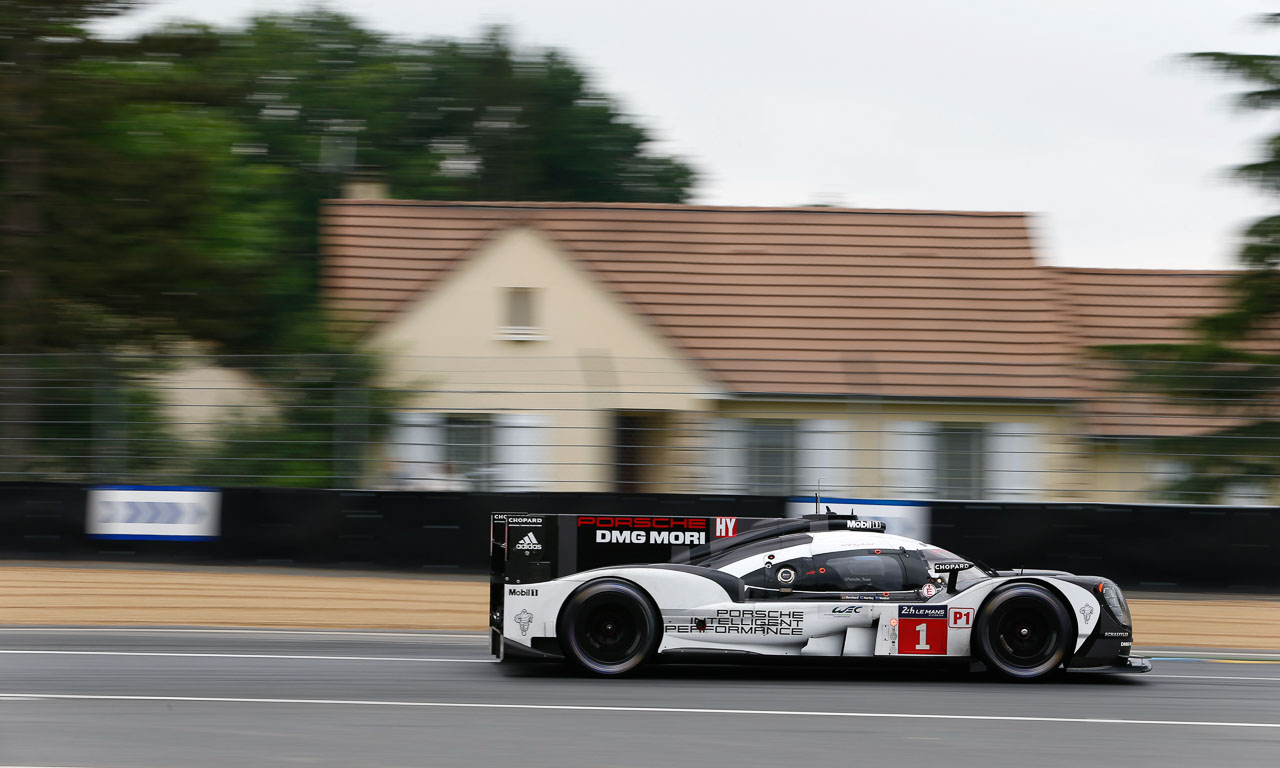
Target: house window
{"points": [[959, 465], [468, 451], [520, 320], [771, 457]]}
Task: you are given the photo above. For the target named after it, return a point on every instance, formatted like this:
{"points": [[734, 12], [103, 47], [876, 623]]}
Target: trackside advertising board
{"points": [[158, 513]]}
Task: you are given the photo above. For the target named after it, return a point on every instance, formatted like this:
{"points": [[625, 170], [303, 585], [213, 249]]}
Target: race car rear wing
{"points": [[529, 549]]}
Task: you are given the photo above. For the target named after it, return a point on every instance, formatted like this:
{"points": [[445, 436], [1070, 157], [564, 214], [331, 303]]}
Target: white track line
{"points": [[648, 710], [42, 652], [178, 654], [1212, 677], [471, 637], [1211, 655]]}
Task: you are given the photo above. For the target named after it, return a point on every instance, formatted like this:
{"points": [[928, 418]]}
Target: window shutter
{"points": [[1013, 462], [417, 445], [908, 459], [823, 452], [519, 451], [727, 470]]}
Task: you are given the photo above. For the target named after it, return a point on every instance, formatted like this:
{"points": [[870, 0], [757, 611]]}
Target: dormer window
{"points": [[520, 321]]}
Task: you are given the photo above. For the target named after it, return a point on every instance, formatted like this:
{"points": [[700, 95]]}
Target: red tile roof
{"points": [[816, 301], [807, 301], [1123, 306]]}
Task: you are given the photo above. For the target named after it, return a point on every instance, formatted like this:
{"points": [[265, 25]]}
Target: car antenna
{"points": [[817, 499]]}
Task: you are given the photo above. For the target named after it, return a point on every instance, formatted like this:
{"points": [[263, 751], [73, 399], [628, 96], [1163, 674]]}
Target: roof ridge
{"points": [[1147, 271], [570, 205]]}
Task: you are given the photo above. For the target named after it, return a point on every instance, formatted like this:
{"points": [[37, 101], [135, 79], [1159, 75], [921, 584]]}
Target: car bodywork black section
{"points": [[758, 547], [1108, 644], [732, 585], [544, 649], [1033, 572], [765, 530], [1110, 641]]}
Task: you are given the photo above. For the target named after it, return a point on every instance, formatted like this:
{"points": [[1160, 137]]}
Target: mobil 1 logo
{"points": [[922, 630]]}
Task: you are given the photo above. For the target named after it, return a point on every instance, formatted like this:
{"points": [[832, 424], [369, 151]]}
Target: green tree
{"points": [[166, 189], [1230, 369], [323, 98], [484, 121], [328, 419], [128, 222]]}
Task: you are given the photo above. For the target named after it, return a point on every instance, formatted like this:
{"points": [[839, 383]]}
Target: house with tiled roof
{"points": [[877, 353]]}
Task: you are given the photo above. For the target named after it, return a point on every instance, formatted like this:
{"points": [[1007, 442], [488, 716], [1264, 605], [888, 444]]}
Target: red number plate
{"points": [[922, 630]]}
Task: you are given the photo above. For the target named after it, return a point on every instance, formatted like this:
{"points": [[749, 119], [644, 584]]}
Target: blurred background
{"points": [[295, 297], [738, 250]]}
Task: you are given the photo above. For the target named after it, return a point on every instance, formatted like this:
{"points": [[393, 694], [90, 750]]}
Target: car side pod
{"points": [[1135, 664]]}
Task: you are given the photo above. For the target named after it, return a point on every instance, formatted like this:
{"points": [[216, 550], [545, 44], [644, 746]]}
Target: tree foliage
{"points": [[1230, 369], [164, 191], [324, 98], [144, 177]]}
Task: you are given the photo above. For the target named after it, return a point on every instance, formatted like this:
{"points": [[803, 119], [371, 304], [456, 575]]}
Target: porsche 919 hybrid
{"points": [[610, 593]]}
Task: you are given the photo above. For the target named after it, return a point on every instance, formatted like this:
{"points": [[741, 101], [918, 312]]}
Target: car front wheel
{"points": [[1022, 632], [609, 627]]}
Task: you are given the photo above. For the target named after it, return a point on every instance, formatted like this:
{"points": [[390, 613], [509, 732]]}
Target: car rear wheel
{"points": [[609, 627], [1022, 632]]}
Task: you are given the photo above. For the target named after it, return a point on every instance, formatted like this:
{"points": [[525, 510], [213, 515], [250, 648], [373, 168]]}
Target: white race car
{"points": [[609, 593]]}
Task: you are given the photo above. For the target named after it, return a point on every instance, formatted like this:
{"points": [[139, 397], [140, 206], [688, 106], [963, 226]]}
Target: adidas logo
{"points": [[529, 542]]}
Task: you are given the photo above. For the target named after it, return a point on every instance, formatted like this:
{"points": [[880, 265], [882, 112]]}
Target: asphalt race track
{"points": [[115, 698]]}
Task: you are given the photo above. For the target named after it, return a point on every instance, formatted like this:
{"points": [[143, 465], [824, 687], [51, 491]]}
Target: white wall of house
{"points": [[586, 355], [890, 450], [554, 386]]}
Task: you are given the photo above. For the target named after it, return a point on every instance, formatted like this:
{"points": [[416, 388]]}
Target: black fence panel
{"points": [[398, 530], [1140, 546], [41, 519], [1158, 547]]}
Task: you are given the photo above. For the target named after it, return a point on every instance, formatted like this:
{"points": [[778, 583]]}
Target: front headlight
{"points": [[1114, 598]]}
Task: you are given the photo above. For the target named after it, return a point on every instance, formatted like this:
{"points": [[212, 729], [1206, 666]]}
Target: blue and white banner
{"points": [[153, 512], [904, 518]]}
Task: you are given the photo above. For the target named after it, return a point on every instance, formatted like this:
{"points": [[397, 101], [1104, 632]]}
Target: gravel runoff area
{"points": [[95, 594]]}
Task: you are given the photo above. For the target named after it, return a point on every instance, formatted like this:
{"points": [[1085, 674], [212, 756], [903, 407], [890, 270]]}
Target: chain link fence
{"points": [[597, 423]]}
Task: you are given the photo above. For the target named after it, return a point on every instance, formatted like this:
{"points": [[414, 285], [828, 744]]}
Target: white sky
{"points": [[1077, 111]]}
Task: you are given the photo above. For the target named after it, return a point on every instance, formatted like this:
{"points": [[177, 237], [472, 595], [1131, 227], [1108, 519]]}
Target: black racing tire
{"points": [[609, 627], [1022, 632]]}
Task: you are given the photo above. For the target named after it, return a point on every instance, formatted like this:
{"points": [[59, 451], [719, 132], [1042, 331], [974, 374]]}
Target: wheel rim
{"points": [[1026, 633], [609, 632]]}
